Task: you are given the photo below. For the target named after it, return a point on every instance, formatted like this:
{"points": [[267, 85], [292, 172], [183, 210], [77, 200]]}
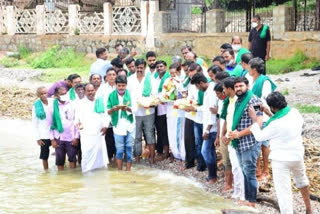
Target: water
{"points": [[26, 188]]}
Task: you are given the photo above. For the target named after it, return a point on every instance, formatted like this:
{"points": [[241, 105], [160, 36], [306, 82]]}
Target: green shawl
{"points": [[236, 72], [147, 85], [244, 73], [72, 94], [258, 85], [129, 74], [281, 113], [201, 94], [240, 52], [114, 101], [39, 110], [164, 77], [264, 30], [186, 81], [56, 119], [225, 108], [98, 105], [238, 112]]}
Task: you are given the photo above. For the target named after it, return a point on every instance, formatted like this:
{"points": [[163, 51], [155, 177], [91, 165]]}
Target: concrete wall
{"points": [[206, 44]]}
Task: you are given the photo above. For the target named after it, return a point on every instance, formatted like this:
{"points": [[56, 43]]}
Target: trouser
{"points": [[189, 143], [282, 182], [111, 148], [124, 145], [248, 163], [198, 130], [238, 179], [162, 132], [225, 156], [208, 152]]}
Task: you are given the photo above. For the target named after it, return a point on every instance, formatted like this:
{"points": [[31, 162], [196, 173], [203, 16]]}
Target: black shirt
{"points": [[258, 45]]}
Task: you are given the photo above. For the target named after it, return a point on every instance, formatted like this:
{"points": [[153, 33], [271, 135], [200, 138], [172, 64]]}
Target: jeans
{"points": [[248, 164], [198, 141], [208, 152], [124, 143]]}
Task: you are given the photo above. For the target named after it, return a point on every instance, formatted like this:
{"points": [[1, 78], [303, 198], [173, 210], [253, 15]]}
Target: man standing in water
{"points": [[63, 133], [41, 127], [92, 121]]}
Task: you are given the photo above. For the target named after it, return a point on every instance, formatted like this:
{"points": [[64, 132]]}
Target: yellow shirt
{"points": [[230, 111]]}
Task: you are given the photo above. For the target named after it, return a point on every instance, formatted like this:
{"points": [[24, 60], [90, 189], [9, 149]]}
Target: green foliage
{"points": [[307, 109], [196, 10], [297, 62], [24, 52], [285, 92], [77, 31], [9, 62], [57, 58]]}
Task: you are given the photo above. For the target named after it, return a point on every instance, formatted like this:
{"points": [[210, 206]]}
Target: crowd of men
{"points": [[236, 110]]}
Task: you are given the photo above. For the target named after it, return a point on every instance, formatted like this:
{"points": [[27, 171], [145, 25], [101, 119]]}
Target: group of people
{"points": [[143, 108]]}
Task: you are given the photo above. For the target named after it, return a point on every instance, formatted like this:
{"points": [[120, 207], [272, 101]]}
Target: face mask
{"points": [[121, 91], [63, 98], [254, 24], [223, 97], [236, 47]]}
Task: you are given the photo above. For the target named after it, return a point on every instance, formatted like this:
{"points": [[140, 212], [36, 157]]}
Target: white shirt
{"points": [[91, 121], [284, 136], [210, 100], [197, 117], [161, 108], [136, 88], [123, 125], [100, 67], [104, 91], [266, 90], [41, 128]]}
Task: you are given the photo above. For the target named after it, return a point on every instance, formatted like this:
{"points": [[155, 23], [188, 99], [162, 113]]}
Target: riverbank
{"points": [[17, 95]]}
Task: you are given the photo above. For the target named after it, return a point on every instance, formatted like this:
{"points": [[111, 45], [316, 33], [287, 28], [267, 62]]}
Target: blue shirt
{"points": [[100, 67]]}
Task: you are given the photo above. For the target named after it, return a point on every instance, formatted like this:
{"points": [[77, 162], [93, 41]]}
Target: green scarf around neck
{"points": [[98, 105], [56, 119], [240, 52], [238, 112], [225, 108], [114, 101], [186, 81], [72, 94], [279, 114], [164, 77], [201, 94], [258, 85], [147, 85], [129, 74], [264, 30], [40, 113]]}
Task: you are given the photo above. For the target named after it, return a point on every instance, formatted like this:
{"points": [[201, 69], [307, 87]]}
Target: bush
{"points": [[24, 52], [297, 62], [9, 62], [57, 58]]}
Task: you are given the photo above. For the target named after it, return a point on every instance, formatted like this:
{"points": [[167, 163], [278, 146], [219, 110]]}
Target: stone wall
{"points": [[206, 44]]}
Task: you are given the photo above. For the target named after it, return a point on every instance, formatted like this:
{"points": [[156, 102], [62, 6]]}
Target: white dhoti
{"points": [[94, 152], [175, 125]]}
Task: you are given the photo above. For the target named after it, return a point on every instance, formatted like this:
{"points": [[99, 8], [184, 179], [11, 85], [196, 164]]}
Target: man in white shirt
{"points": [[102, 64], [40, 124], [119, 108], [162, 145], [261, 86], [141, 84], [283, 130], [75, 80], [91, 120], [209, 132], [104, 92]]}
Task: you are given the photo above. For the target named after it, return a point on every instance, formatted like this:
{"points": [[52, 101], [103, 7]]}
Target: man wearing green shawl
{"points": [[75, 79], [40, 124], [262, 86], [247, 148], [63, 134], [236, 44], [162, 145], [92, 121], [119, 108], [141, 87], [283, 130], [259, 39]]}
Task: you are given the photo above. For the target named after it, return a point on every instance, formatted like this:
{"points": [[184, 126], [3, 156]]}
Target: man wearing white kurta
{"points": [[283, 131], [92, 122]]}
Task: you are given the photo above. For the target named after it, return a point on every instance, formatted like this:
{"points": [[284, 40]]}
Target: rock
{"points": [[279, 80], [287, 79]]}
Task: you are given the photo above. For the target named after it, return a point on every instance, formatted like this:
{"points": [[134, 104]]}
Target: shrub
{"points": [[9, 62], [24, 52]]}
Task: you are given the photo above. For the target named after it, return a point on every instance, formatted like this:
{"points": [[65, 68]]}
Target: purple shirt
{"points": [[61, 83], [70, 131]]}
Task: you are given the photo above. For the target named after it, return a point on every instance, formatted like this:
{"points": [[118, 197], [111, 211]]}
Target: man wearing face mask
{"points": [[259, 39], [236, 43], [63, 134], [231, 66]]}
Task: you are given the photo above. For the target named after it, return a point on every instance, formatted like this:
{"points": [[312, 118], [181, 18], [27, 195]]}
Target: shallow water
{"points": [[26, 188]]}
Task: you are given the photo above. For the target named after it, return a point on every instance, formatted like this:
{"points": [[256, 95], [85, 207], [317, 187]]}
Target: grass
{"points": [[285, 92], [297, 62], [308, 109]]}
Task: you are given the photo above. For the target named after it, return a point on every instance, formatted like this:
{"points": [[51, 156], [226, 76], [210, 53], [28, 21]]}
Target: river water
{"points": [[26, 188]]}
